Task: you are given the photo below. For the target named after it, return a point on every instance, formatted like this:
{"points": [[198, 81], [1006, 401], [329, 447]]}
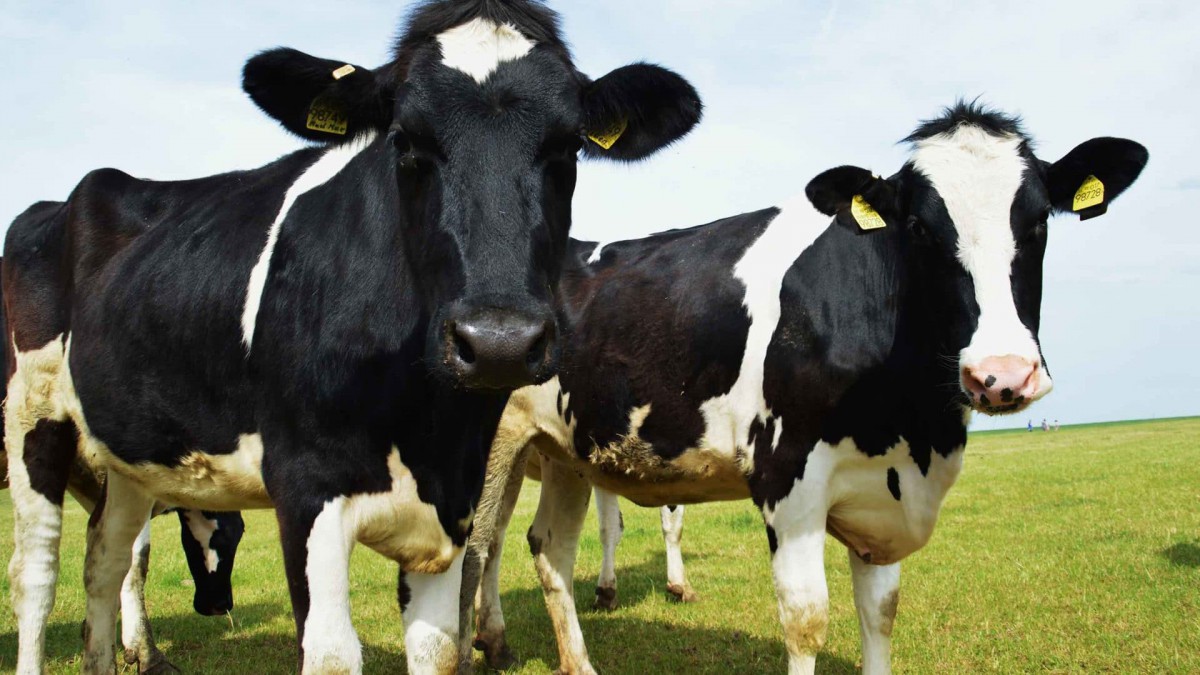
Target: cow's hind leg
{"points": [[876, 595], [39, 465], [112, 530], [136, 635], [672, 529], [796, 534], [608, 512], [429, 603], [481, 570], [554, 540]]}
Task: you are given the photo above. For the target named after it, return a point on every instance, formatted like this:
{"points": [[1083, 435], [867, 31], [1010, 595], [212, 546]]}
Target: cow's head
{"points": [[484, 116], [210, 541], [971, 207]]}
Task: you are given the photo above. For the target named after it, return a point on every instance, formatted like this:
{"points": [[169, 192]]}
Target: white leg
{"points": [[876, 595], [136, 636], [672, 529], [798, 566], [122, 514], [608, 511], [554, 541], [33, 569], [431, 620], [330, 643]]}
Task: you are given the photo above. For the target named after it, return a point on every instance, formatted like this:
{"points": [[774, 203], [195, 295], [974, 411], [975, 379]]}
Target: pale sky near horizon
{"points": [[791, 89]]}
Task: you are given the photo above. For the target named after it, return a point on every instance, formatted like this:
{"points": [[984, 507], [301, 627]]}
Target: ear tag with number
{"points": [[1089, 199], [866, 216], [343, 71], [327, 115], [607, 138]]}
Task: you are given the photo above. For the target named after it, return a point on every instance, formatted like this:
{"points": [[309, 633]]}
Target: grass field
{"points": [[1057, 552]]}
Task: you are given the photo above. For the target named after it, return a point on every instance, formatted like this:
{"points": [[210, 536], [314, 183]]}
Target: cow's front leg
{"points": [[672, 529], [553, 541], [501, 489], [608, 512], [317, 540], [429, 603], [136, 635], [876, 596], [115, 524], [796, 533]]}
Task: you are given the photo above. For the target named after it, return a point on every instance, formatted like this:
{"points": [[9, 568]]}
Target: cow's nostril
{"points": [[463, 348]]}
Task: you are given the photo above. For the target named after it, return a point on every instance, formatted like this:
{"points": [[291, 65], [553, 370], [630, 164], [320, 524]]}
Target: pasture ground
{"points": [[1069, 551]]}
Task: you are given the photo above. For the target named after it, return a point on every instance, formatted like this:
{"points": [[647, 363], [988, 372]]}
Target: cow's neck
{"points": [[905, 387]]}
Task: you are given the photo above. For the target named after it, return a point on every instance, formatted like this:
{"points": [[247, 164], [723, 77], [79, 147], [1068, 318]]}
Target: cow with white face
{"points": [[826, 370], [333, 335]]}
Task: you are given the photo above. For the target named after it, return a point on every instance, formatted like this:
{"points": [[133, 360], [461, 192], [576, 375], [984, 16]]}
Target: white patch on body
{"points": [[322, 171], [479, 46], [202, 530], [761, 270], [978, 175], [431, 619]]}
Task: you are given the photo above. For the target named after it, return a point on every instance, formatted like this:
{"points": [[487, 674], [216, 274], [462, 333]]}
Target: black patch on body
{"points": [[772, 539], [49, 454], [893, 483], [658, 321]]}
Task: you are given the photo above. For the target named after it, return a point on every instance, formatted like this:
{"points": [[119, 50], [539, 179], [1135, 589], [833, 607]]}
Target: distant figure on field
{"points": [[1030, 425], [1045, 426], [1056, 425]]}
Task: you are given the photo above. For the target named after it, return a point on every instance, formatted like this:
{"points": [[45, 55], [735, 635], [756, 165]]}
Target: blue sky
{"points": [[791, 88]]}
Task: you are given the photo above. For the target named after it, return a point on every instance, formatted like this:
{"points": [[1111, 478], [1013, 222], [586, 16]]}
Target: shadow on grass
{"points": [[1183, 554], [620, 641]]}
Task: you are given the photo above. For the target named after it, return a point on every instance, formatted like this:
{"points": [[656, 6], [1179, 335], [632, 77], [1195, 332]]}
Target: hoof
{"points": [[499, 656], [157, 665], [682, 593], [606, 598]]}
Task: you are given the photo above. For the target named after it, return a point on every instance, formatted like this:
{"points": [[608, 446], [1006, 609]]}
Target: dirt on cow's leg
{"points": [[876, 596], [612, 526], [672, 529]]}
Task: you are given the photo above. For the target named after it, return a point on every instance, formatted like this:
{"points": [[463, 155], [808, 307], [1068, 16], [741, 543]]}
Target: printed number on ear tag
{"points": [[1090, 194], [609, 137], [328, 116], [866, 216]]}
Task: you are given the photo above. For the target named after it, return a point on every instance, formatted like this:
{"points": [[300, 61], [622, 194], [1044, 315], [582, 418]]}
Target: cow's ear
{"points": [[314, 98], [1094, 174], [636, 110], [858, 199]]}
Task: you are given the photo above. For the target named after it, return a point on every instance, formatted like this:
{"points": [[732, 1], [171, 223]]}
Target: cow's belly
{"points": [[865, 512], [398, 525]]}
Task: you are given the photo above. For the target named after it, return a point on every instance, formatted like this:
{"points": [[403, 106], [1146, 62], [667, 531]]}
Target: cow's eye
{"points": [[917, 228], [565, 146]]}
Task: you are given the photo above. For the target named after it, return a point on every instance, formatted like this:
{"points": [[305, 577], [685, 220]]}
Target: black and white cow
{"points": [[333, 335], [210, 540], [825, 370]]}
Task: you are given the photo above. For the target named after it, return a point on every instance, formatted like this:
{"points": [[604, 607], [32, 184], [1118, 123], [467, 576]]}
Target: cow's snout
{"points": [[500, 350], [1000, 384], [216, 601]]}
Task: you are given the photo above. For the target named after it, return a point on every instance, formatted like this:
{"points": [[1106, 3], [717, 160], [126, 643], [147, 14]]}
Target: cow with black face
{"points": [[333, 335], [825, 370]]}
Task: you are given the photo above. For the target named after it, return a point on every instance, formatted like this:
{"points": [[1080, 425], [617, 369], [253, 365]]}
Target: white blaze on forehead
{"points": [[202, 530], [322, 171], [978, 175], [479, 46]]}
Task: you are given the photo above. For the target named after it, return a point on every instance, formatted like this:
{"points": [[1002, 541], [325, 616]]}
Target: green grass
{"points": [[1075, 551]]}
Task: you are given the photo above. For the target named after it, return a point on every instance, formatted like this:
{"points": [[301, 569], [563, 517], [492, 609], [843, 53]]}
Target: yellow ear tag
{"points": [[327, 115], [866, 217], [343, 71], [609, 137], [1090, 194]]}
